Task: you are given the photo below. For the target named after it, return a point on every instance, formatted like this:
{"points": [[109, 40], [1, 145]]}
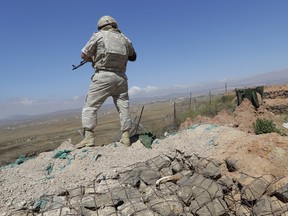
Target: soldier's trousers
{"points": [[105, 84]]}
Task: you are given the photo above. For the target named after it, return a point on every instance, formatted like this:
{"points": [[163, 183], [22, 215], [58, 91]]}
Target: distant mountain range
{"points": [[266, 79]]}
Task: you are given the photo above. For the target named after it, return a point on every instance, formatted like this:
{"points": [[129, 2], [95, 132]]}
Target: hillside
{"points": [[249, 170]]}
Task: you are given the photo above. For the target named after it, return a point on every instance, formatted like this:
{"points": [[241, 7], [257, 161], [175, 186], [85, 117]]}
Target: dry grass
{"points": [[34, 136]]}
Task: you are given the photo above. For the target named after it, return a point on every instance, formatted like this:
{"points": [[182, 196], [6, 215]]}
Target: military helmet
{"points": [[107, 20]]}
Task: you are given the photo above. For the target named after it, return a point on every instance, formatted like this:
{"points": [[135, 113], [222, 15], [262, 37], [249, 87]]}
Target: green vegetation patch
{"points": [[264, 126]]}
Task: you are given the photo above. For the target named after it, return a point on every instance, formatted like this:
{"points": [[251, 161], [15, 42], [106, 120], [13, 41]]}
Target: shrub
{"points": [[263, 126]]}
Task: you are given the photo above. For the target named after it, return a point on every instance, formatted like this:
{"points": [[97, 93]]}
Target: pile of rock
{"points": [[278, 108], [276, 100], [175, 184], [280, 94]]}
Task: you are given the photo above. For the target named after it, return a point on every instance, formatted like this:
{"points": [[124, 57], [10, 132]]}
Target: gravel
{"points": [[45, 174]]}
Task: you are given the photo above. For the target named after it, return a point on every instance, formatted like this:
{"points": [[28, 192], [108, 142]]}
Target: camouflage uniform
{"points": [[110, 50]]}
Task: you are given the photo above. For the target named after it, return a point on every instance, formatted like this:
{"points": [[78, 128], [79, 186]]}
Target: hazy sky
{"points": [[178, 43]]}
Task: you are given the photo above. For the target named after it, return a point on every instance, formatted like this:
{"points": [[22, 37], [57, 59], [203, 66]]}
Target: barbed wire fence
{"points": [[180, 109]]}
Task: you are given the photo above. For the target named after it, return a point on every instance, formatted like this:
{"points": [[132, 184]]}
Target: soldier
{"points": [[109, 51]]}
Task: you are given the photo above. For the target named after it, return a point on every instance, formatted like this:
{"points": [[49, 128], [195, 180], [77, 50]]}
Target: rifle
{"points": [[81, 63]]}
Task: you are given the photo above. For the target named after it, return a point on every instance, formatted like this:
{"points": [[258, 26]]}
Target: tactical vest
{"points": [[114, 54]]}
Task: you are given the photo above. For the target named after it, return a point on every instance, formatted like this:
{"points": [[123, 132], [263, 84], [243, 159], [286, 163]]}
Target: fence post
{"points": [[210, 96], [136, 130], [190, 101], [175, 120]]}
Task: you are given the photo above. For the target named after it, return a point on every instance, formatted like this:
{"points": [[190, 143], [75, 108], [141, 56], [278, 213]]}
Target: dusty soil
{"points": [[258, 153], [228, 135]]}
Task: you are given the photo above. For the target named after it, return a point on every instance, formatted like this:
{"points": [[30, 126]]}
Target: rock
{"points": [[169, 205], [282, 193], [111, 211], [189, 192], [215, 207], [106, 211], [185, 194], [226, 184], [212, 171], [159, 162], [59, 211], [149, 193], [76, 192], [149, 176], [232, 165], [132, 178], [57, 202], [166, 171], [267, 206], [242, 210], [176, 166], [256, 189], [182, 181], [169, 188], [129, 208]]}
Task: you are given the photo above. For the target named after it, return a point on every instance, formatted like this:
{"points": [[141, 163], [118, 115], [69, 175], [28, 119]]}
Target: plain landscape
{"points": [[30, 135]]}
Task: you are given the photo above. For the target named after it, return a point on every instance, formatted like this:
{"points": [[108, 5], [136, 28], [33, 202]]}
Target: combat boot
{"points": [[125, 139], [88, 140]]}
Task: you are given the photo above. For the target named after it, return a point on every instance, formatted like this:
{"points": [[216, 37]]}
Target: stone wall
{"points": [[277, 101], [280, 94]]}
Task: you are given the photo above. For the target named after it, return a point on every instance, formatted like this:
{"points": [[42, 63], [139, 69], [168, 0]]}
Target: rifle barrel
{"points": [[77, 66]]}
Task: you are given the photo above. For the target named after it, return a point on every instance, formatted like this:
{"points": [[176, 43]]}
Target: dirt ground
{"points": [[43, 133], [227, 135], [270, 150]]}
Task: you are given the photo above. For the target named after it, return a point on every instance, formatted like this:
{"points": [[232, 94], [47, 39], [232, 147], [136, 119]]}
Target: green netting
{"points": [[70, 159], [250, 94], [194, 126], [210, 127], [21, 160], [62, 154], [147, 139], [39, 204], [49, 168]]}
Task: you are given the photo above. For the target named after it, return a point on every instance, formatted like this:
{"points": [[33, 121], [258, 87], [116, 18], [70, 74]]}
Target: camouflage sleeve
{"points": [[131, 50], [90, 48]]}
